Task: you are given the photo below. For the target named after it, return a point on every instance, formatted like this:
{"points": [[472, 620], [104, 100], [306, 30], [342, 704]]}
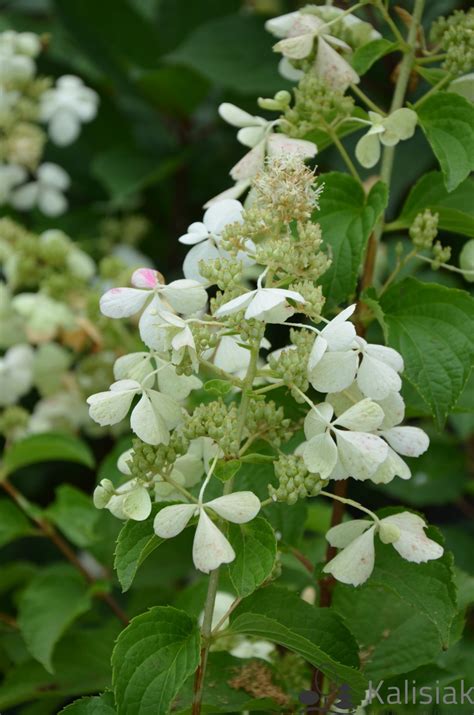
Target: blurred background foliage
{"points": [[159, 150]]}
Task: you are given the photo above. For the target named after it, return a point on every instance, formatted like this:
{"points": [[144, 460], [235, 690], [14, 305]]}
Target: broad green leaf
{"points": [[75, 515], [438, 477], [13, 523], [455, 209], [255, 546], [226, 470], [81, 666], [152, 659], [219, 696], [431, 326], [429, 588], [364, 57], [447, 120], [433, 75], [96, 705], [233, 52], [47, 447], [395, 637], [49, 604], [135, 543], [317, 634], [347, 217], [289, 523]]}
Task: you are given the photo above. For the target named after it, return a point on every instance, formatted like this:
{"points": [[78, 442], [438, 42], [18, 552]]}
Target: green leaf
{"points": [[366, 55], [317, 634], [49, 604], [394, 636], [97, 705], [347, 218], [226, 470], [233, 52], [47, 447], [135, 543], [256, 548], [13, 523], [75, 515], [431, 326], [455, 209], [447, 120], [219, 387], [152, 659]]}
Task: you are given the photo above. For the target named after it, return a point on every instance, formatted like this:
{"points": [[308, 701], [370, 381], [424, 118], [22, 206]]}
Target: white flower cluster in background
{"points": [[28, 101]]}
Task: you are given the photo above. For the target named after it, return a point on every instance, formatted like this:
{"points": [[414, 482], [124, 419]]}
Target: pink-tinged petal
{"points": [[145, 278], [281, 145], [333, 68], [413, 544], [250, 164], [123, 302]]}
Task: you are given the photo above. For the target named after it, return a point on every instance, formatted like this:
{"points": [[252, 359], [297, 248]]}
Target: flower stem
{"points": [[370, 104], [342, 151], [350, 502]]}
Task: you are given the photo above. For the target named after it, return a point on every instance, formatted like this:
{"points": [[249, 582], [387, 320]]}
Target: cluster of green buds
{"points": [[424, 229], [294, 480], [315, 106], [455, 35]]}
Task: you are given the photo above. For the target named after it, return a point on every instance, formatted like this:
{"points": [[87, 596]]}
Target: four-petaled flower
{"points": [[210, 546], [355, 563], [46, 192], [66, 106], [388, 131]]}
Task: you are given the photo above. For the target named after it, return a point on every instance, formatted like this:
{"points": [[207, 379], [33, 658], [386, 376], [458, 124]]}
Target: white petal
{"points": [[333, 68], [364, 416], [392, 467], [409, 441], [135, 366], [235, 116], [394, 409], [413, 544], [123, 302], [281, 145], [236, 304], [148, 424], [155, 337], [250, 164], [368, 150], [51, 201], [281, 26], [108, 408], [233, 193], [145, 278], [25, 197], [177, 386], [230, 356], [185, 296], [167, 407], [339, 333], [317, 420], [376, 379], [288, 71], [360, 453], [171, 520], [210, 547], [320, 455], [296, 48], [341, 535], [238, 507], [387, 355], [197, 232], [221, 214], [204, 251], [335, 371], [251, 136], [53, 175], [137, 504], [123, 462], [317, 351], [355, 563], [64, 127]]}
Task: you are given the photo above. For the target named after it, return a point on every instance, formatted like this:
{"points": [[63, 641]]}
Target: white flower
{"points": [[210, 547], [64, 412], [43, 316], [267, 304], [184, 296], [345, 446], [152, 418], [142, 366], [398, 126], [299, 31], [338, 357], [17, 50], [258, 134], [46, 192], [232, 355], [205, 237], [168, 333], [405, 440], [129, 501], [355, 563], [16, 374], [65, 107]]}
